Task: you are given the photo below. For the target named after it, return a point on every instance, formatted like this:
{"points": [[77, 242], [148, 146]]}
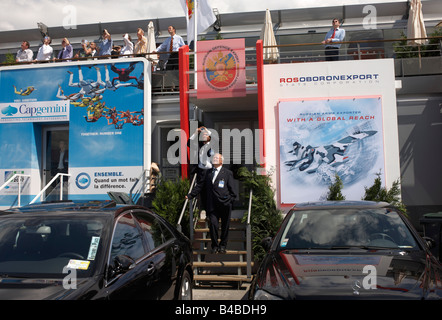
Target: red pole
{"points": [[184, 107], [261, 112]]}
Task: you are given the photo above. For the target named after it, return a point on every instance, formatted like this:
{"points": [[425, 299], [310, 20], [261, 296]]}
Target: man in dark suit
{"points": [[220, 194]]}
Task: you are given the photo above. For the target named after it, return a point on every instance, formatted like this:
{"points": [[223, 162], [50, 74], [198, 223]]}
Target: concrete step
{"points": [[214, 264], [207, 252], [221, 277], [199, 240], [230, 229]]}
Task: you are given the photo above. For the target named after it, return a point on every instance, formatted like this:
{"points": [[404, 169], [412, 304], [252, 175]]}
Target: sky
{"points": [[24, 14]]}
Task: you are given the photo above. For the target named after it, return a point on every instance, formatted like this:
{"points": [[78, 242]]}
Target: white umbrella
{"points": [[416, 27], [268, 39], [151, 44]]}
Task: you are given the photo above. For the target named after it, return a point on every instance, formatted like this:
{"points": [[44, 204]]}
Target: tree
{"points": [[265, 218], [334, 191], [378, 193], [169, 201]]}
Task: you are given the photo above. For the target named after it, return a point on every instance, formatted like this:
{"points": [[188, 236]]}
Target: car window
{"points": [[154, 230], [346, 227], [127, 239]]}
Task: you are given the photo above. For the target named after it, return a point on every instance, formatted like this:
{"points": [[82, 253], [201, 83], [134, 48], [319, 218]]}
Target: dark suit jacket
{"points": [[220, 193]]}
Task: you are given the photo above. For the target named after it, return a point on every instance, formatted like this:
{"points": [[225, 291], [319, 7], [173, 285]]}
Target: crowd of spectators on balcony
{"points": [[105, 48]]}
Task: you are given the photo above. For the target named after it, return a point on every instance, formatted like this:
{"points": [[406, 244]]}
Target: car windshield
{"points": [[343, 228], [48, 246]]}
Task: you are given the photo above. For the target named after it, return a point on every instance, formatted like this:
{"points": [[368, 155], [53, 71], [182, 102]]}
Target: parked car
{"points": [[93, 250], [347, 250]]}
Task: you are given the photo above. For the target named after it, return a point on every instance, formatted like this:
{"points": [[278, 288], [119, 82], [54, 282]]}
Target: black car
{"points": [[93, 250], [347, 250]]}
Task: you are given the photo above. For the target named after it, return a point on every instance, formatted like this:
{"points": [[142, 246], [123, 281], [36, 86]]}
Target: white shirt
{"points": [[44, 52], [25, 55], [215, 173], [128, 46]]}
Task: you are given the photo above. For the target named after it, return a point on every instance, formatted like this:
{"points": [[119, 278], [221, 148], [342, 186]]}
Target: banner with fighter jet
{"points": [[320, 138], [324, 119]]}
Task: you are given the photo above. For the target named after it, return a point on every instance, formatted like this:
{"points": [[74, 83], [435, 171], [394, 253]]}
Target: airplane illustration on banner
{"points": [[333, 154]]}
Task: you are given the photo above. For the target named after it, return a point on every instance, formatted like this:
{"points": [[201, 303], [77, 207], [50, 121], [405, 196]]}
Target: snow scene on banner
{"points": [[319, 138]]}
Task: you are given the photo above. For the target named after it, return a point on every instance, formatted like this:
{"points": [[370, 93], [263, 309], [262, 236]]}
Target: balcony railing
{"points": [[409, 60]]}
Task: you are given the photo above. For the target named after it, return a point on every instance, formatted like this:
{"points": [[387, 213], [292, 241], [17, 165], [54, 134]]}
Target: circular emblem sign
{"points": [[83, 180], [221, 68]]}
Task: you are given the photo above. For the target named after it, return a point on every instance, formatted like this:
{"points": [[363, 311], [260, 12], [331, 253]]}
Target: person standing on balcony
{"points": [[141, 45], [220, 195], [332, 39], [66, 52], [170, 46], [24, 54], [106, 44], [45, 51]]}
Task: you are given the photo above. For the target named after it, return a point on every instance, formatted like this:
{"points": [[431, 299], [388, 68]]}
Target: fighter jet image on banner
{"points": [[309, 158]]}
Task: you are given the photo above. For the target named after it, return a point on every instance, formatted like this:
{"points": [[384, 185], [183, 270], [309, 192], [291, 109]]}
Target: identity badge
{"points": [[221, 184]]}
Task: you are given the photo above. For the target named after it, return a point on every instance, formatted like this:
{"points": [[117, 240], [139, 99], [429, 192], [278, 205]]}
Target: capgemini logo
{"points": [[83, 180], [9, 111]]}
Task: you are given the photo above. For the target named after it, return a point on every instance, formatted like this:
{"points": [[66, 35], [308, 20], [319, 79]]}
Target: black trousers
{"points": [[331, 54], [220, 213]]}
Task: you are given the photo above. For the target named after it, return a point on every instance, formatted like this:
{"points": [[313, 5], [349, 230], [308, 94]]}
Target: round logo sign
{"points": [[221, 68], [83, 180]]}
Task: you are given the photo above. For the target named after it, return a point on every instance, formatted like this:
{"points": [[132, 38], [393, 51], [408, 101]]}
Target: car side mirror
{"points": [[266, 243], [429, 242], [121, 264]]}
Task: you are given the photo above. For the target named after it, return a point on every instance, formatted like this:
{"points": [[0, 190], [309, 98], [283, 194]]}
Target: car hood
{"points": [[342, 275], [40, 289]]}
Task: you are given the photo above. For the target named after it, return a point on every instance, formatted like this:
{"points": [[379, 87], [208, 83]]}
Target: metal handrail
{"points": [[19, 184], [249, 238], [185, 204], [61, 175]]}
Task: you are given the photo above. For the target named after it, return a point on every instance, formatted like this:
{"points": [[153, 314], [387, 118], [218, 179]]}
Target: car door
{"points": [[140, 281], [163, 245]]}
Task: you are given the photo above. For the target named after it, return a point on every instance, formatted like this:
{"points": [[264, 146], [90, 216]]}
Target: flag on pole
{"points": [[199, 17]]}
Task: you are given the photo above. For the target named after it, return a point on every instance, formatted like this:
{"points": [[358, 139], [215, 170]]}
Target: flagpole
{"points": [[195, 38]]}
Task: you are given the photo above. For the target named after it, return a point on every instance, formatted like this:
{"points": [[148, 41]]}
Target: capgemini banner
{"points": [[221, 69], [34, 111]]}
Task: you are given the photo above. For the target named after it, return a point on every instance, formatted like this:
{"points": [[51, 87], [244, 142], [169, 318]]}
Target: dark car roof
{"points": [[106, 207], [320, 205]]}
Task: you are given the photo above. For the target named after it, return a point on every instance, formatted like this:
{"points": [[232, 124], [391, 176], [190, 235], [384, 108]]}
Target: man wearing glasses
{"points": [[332, 41]]}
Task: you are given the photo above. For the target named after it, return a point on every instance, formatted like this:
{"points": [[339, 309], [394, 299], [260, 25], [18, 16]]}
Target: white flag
{"points": [[204, 19]]}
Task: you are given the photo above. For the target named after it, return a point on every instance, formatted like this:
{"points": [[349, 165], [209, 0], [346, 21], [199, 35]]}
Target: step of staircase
{"points": [[221, 278], [207, 252], [214, 264]]}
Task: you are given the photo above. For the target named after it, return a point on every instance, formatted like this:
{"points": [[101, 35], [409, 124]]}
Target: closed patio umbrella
{"points": [[268, 39], [416, 26], [151, 45]]}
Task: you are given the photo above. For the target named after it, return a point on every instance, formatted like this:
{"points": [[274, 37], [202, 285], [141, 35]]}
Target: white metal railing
{"points": [[184, 209], [17, 175], [249, 238], [58, 175]]}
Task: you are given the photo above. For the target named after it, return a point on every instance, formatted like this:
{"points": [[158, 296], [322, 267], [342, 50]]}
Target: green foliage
{"points": [[10, 58], [265, 218], [169, 201], [431, 49], [334, 191], [378, 193]]}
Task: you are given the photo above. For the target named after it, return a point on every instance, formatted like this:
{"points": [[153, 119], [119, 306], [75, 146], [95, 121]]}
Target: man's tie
{"points": [[171, 44], [334, 32]]}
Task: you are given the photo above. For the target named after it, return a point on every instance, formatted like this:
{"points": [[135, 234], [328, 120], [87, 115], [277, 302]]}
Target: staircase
{"points": [[221, 269]]}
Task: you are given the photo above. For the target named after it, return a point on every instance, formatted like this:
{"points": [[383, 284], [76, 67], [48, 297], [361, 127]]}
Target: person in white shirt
{"points": [[332, 41], [45, 51], [24, 54], [128, 47]]}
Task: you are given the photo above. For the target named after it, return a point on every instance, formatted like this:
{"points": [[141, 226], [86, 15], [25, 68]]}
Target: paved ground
{"points": [[221, 293]]}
